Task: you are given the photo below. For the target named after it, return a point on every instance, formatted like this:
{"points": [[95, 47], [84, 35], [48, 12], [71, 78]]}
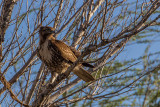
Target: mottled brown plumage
{"points": [[58, 56]]}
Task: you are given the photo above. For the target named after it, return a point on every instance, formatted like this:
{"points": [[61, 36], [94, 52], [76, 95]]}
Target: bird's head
{"points": [[46, 31]]}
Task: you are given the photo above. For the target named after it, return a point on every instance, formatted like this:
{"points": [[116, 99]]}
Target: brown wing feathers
{"points": [[69, 53], [65, 51]]}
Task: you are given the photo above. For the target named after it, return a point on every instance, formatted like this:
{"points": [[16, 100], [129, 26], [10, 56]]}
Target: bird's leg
{"points": [[53, 77]]}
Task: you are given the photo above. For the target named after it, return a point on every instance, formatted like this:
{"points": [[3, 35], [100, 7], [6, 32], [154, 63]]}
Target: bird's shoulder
{"points": [[64, 49]]}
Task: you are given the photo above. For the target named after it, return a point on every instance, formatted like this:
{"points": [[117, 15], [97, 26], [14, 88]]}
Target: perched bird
{"points": [[58, 56]]}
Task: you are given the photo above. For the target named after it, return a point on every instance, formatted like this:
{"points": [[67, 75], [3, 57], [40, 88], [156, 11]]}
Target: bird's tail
{"points": [[84, 75]]}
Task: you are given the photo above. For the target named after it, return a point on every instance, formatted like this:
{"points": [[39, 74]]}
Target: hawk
{"points": [[58, 56]]}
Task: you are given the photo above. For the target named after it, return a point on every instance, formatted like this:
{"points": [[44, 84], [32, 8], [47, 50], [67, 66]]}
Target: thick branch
{"points": [[7, 85], [5, 17], [58, 14]]}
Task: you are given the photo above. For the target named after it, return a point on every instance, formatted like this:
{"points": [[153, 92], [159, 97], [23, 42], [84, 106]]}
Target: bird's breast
{"points": [[50, 55], [44, 53]]}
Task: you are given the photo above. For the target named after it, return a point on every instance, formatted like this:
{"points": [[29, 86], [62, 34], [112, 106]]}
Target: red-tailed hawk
{"points": [[58, 56]]}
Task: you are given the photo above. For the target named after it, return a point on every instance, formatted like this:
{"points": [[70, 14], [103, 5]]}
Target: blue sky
{"points": [[130, 51]]}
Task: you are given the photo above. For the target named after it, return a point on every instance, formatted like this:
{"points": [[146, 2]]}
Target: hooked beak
{"points": [[51, 31]]}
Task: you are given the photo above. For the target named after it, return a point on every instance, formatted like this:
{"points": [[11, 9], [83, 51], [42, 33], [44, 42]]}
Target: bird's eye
{"points": [[44, 30]]}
